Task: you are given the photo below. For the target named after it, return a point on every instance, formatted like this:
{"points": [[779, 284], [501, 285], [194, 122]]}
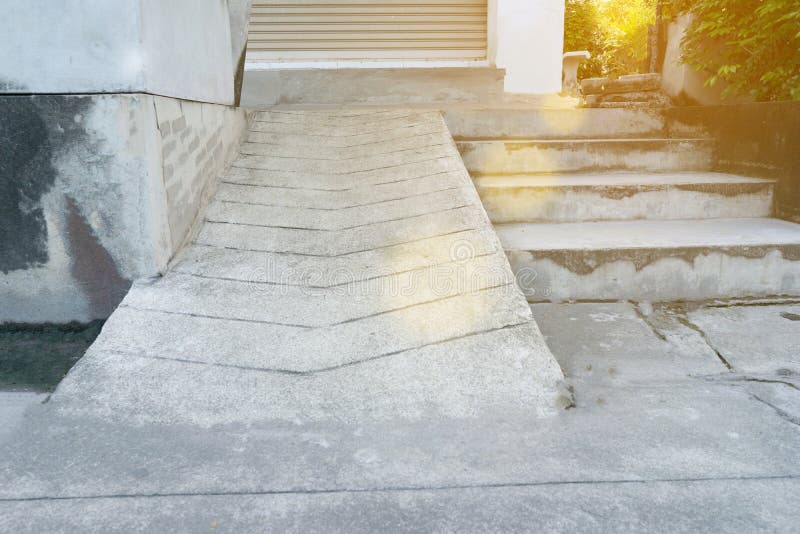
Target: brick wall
{"points": [[198, 141]]}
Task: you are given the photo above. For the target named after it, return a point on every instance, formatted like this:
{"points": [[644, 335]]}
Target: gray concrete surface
{"points": [[580, 197], [286, 313], [371, 86], [665, 437], [537, 122], [13, 405], [658, 260], [286, 378], [768, 345], [521, 156]]}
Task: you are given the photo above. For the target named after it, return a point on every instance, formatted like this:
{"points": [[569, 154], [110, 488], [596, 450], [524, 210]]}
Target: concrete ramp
{"points": [[346, 270]]}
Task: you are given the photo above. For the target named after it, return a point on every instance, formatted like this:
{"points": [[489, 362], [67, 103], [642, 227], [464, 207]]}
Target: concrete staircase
{"points": [[602, 204]]}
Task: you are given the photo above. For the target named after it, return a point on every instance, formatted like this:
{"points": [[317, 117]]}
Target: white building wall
{"points": [[526, 37], [177, 48], [52, 47], [187, 49]]}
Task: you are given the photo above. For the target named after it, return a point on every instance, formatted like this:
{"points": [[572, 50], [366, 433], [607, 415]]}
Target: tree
{"points": [[614, 31], [582, 31], [625, 26], [752, 45]]}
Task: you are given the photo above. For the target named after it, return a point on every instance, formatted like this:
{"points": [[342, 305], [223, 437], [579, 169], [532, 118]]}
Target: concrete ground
{"points": [[687, 419]]}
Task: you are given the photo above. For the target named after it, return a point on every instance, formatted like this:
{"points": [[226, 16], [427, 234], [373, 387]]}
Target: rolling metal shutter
{"points": [[303, 30]]}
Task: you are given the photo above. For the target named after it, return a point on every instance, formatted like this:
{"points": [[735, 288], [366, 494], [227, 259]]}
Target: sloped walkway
{"points": [[345, 271]]}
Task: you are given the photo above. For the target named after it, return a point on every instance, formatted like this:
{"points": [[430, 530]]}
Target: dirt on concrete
{"points": [[37, 357]]}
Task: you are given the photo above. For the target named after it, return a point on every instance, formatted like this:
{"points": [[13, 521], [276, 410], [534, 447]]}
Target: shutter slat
{"points": [[368, 29]]}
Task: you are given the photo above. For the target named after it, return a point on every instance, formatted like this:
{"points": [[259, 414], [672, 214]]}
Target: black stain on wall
{"points": [[34, 131], [26, 174], [93, 268]]}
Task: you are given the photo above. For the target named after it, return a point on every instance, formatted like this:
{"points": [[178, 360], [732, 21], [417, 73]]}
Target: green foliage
{"points": [[582, 32], [625, 25], [751, 45], [613, 31]]}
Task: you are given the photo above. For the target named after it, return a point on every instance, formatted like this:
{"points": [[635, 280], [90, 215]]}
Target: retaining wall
{"points": [[757, 139], [99, 190]]}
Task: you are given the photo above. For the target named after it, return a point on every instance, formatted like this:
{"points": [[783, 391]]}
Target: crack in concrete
{"points": [[766, 381], [647, 321], [781, 413], [778, 300], [685, 321], [409, 489]]}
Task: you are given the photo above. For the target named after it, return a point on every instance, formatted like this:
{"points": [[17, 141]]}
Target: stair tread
{"points": [[691, 233], [612, 179]]}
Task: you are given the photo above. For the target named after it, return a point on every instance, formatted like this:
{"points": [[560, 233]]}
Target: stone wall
{"points": [[756, 139], [96, 191], [198, 141]]}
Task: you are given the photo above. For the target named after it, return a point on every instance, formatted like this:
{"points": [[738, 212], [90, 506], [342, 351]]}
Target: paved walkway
{"points": [[263, 385], [665, 437]]}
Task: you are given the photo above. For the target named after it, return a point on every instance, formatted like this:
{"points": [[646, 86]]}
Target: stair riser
{"points": [[585, 203], [511, 157], [657, 274], [561, 123]]}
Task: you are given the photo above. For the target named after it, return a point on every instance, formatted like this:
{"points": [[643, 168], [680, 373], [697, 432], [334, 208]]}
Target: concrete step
{"points": [[371, 86], [655, 260], [543, 123], [623, 196], [574, 155]]}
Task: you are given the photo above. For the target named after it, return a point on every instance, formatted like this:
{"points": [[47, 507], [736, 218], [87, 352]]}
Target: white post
{"points": [[527, 39]]}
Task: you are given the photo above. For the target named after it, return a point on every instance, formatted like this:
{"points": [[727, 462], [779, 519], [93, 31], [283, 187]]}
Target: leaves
{"points": [[751, 45], [613, 31]]}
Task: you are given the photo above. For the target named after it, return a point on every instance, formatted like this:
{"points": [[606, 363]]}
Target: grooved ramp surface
{"points": [[346, 271]]}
